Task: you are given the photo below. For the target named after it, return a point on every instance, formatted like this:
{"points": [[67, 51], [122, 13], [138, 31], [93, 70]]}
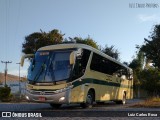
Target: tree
{"points": [[151, 47], [150, 80], [111, 51], [88, 41], [137, 66], [39, 39]]}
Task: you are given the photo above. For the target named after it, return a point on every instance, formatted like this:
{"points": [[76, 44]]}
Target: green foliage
{"points": [[88, 41], [151, 80], [151, 47], [137, 82], [39, 39], [148, 78], [5, 94], [134, 64], [111, 51], [137, 63], [137, 66]]}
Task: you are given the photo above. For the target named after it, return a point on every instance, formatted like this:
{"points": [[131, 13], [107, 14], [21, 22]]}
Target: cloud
{"points": [[151, 18]]}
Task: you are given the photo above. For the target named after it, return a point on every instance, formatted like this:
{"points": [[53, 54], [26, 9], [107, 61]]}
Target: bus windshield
{"points": [[50, 66]]}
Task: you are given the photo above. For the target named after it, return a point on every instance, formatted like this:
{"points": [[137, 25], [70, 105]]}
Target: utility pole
{"points": [[19, 80], [6, 62]]}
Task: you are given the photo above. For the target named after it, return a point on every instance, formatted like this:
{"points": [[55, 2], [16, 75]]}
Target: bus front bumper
{"points": [[57, 98]]}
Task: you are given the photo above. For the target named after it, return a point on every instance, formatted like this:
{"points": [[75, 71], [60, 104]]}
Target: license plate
{"points": [[42, 99]]}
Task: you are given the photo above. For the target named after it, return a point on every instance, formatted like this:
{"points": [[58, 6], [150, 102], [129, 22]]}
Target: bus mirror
{"points": [[24, 57], [72, 58], [130, 77]]}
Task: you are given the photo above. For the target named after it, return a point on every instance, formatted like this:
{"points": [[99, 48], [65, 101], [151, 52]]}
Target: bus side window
{"points": [[103, 65], [81, 63], [85, 58]]}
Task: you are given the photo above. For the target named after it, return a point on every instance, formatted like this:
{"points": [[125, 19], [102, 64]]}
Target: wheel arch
{"points": [[124, 92]]}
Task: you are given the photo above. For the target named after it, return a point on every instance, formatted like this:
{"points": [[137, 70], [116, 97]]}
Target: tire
{"points": [[55, 105], [89, 100], [123, 101]]}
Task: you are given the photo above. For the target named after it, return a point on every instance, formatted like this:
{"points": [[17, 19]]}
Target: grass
{"points": [[149, 103]]}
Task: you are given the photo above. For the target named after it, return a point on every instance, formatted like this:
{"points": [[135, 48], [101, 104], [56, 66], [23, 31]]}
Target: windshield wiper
{"points": [[40, 72], [49, 66], [50, 70]]}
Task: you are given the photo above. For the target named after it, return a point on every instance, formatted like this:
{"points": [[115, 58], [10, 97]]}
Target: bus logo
{"points": [[42, 93]]}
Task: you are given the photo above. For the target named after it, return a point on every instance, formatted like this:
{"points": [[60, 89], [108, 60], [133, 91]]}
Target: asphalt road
{"points": [[109, 109], [109, 106], [73, 107]]}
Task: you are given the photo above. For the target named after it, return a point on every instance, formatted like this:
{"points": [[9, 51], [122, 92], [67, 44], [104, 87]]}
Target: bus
{"points": [[76, 73]]}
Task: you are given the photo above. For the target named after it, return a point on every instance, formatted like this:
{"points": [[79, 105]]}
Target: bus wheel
{"points": [[55, 105], [123, 101], [89, 100]]}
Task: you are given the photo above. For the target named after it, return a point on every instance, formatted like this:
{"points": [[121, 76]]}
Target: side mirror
{"points": [[24, 57], [72, 58], [130, 77]]}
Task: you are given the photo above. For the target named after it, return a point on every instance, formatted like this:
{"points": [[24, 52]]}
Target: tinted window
{"points": [[81, 63], [106, 66]]}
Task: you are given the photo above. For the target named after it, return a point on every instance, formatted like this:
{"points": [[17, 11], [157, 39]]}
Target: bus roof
{"points": [[77, 45]]}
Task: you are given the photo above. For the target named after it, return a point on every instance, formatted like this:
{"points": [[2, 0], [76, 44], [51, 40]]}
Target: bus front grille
{"points": [[41, 92]]}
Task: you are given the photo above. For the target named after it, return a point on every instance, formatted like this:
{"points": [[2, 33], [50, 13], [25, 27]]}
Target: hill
{"points": [[10, 77]]}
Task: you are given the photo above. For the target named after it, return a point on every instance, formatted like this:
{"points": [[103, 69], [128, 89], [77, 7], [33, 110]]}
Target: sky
{"points": [[122, 23]]}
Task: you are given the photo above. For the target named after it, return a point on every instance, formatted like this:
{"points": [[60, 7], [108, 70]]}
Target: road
{"points": [[109, 106], [109, 109]]}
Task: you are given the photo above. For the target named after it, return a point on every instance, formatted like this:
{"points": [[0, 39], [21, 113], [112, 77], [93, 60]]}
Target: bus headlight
{"points": [[61, 99], [27, 97]]}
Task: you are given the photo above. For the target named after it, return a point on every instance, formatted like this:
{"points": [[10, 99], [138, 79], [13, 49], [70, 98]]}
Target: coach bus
{"points": [[76, 73]]}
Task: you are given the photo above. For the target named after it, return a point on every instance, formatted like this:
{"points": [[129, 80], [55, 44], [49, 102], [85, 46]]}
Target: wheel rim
{"points": [[124, 99], [89, 100]]}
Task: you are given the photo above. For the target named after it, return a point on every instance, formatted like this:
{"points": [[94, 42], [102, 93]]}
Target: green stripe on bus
{"points": [[99, 82]]}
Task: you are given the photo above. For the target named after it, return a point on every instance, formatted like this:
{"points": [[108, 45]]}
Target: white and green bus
{"points": [[76, 73]]}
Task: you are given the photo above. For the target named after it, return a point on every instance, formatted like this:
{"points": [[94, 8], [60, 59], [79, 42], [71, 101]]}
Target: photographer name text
{"points": [[142, 115], [143, 5]]}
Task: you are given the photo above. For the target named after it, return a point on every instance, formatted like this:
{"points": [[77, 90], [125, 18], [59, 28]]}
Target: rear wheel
{"points": [[55, 105], [89, 100], [123, 101]]}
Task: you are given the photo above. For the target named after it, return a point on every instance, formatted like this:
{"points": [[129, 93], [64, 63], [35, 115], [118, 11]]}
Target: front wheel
{"points": [[89, 100]]}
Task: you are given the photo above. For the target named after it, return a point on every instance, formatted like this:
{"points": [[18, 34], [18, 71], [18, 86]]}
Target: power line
{"points": [[6, 62]]}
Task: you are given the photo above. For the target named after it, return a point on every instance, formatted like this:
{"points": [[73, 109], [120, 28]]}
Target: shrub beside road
{"points": [[149, 103], [5, 94]]}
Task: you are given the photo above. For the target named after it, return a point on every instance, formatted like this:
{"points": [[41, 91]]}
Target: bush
{"points": [[5, 94], [151, 81]]}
